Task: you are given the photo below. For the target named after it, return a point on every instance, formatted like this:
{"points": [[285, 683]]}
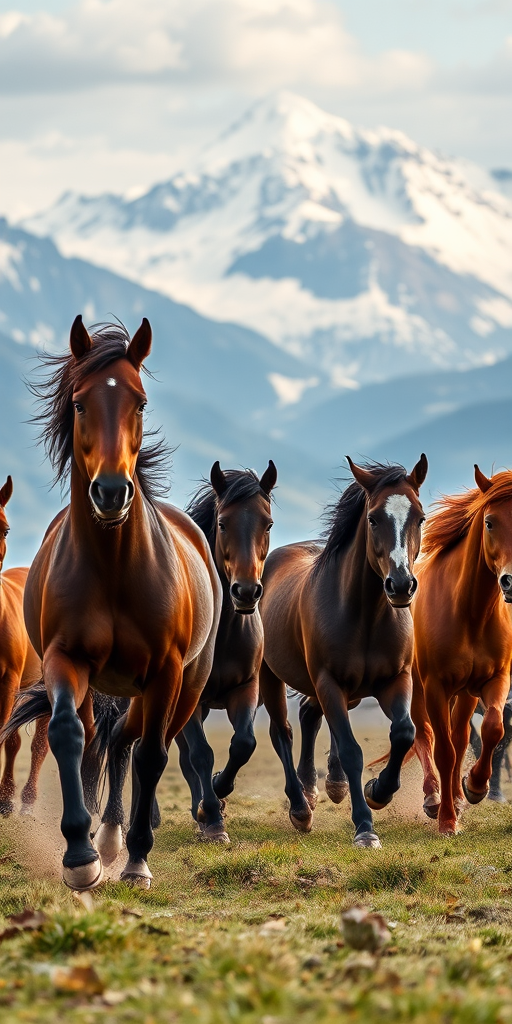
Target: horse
{"points": [[463, 641], [500, 757], [338, 627], [19, 667], [235, 515], [123, 596]]}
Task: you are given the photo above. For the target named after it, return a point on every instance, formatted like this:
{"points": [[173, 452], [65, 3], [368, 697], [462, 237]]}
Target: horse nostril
{"points": [[413, 585], [111, 494], [258, 591], [506, 583], [389, 586], [236, 591]]}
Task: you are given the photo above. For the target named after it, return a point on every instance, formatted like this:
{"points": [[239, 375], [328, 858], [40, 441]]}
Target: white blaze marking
{"points": [[397, 507], [111, 381]]}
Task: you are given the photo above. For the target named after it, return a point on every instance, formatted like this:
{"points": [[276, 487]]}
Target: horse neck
{"points": [[112, 544], [477, 591], [358, 586]]}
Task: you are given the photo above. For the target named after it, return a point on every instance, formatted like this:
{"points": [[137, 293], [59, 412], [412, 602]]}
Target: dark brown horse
{"points": [[235, 515], [463, 641], [19, 667], [338, 628], [123, 596]]}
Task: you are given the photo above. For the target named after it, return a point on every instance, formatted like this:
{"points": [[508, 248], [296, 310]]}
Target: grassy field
{"points": [[251, 933]]}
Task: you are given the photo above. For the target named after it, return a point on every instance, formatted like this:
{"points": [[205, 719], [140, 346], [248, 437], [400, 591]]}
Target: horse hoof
{"points": [[6, 808], [368, 840], [214, 834], [109, 842], [431, 805], [311, 797], [137, 874], [449, 830], [84, 877], [336, 791], [471, 796], [201, 813], [368, 795], [302, 820]]}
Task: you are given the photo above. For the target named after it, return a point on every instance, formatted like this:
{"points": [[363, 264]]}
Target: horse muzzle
{"points": [[506, 586], [245, 597], [111, 497], [400, 590]]}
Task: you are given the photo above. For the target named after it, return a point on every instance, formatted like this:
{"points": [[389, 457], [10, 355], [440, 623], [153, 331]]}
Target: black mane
{"points": [[203, 507], [341, 517], [54, 393]]}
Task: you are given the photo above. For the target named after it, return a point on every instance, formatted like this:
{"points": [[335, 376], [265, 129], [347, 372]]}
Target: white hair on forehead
{"points": [[397, 508]]}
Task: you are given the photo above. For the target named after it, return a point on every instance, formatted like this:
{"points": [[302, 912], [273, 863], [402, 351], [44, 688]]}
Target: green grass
{"points": [[250, 934]]}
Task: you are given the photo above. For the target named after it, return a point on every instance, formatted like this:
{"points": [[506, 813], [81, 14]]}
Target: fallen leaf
{"points": [[27, 920], [77, 979], [363, 930]]}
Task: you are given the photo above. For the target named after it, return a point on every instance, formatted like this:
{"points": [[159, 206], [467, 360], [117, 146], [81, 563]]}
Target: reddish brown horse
{"points": [[463, 640], [123, 595], [338, 628], [235, 514], [19, 667]]}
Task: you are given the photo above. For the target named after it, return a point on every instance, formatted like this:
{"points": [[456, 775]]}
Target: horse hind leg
{"points": [[7, 785], [109, 836], [395, 703], [38, 752], [310, 718], [210, 810], [476, 783], [273, 692], [336, 782], [461, 730], [424, 746], [241, 706]]}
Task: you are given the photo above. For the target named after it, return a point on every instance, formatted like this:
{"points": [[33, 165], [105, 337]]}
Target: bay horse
{"points": [[235, 515], [123, 595], [463, 641], [338, 628], [19, 667]]}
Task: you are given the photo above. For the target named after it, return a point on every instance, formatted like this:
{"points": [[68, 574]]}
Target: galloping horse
{"points": [[235, 515], [19, 667], [123, 595], [338, 628], [463, 640]]}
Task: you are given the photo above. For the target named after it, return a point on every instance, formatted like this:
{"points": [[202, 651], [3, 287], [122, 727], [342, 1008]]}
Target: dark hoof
{"points": [[471, 796], [214, 834], [431, 805], [368, 795], [202, 818], [336, 791], [6, 807], [367, 840], [302, 820]]}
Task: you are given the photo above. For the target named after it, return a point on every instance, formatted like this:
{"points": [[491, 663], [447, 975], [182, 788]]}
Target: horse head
{"points": [[243, 524], [5, 494], [108, 404], [393, 528], [497, 527]]}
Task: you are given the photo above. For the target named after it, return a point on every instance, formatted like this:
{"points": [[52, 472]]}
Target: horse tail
{"points": [[385, 758], [107, 712], [30, 704]]}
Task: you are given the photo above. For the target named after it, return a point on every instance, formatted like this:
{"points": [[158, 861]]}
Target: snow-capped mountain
{"points": [[359, 252]]}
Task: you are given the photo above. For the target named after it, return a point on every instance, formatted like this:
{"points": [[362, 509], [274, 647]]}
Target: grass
{"points": [[250, 933]]}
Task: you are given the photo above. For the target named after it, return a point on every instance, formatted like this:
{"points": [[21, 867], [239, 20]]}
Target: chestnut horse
{"points": [[235, 515], [463, 641], [19, 667], [338, 628], [123, 595]]}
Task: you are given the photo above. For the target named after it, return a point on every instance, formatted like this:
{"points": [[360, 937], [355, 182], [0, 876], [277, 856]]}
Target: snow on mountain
{"points": [[357, 251]]}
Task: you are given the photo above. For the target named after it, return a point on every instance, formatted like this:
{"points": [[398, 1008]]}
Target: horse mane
{"points": [[205, 504], [341, 517], [455, 513], [54, 394]]}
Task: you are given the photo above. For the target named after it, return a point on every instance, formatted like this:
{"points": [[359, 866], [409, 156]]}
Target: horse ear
{"points": [[140, 345], [269, 478], [218, 479], [418, 474], [6, 492], [482, 481], [80, 340], [363, 476]]}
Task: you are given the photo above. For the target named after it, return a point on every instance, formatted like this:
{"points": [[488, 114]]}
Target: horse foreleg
{"points": [[310, 718], [461, 715], [273, 692], [494, 695], [9, 685], [444, 754], [67, 684], [38, 752], [334, 704], [241, 706], [210, 811], [424, 746], [395, 701]]}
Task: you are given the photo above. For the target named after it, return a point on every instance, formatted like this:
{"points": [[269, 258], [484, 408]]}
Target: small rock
{"points": [[364, 930]]}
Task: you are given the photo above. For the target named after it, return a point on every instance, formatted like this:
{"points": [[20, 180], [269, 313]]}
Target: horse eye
{"points": [[222, 528], [269, 527], [422, 521], [141, 408], [79, 408], [488, 524], [372, 521]]}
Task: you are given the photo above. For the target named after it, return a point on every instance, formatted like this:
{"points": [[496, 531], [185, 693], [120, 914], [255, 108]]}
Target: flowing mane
{"points": [[341, 517], [203, 507], [455, 513], [54, 393]]}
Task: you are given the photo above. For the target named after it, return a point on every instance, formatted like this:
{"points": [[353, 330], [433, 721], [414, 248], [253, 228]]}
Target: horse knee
{"points": [[403, 733], [242, 747]]}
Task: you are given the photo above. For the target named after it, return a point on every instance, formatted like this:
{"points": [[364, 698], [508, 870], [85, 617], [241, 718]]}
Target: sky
{"points": [[114, 95]]}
